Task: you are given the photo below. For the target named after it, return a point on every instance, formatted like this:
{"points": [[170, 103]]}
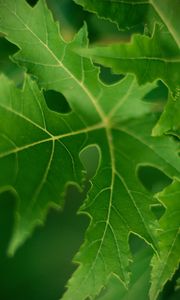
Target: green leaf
{"points": [[139, 285], [39, 151], [168, 11], [169, 121], [32, 152], [150, 58], [130, 13], [126, 14], [169, 240]]}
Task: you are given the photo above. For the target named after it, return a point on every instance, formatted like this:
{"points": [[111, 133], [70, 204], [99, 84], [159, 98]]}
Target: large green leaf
{"points": [[39, 150], [130, 13], [169, 240]]}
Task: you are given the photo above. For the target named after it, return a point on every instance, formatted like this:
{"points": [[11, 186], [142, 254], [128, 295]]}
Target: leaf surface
{"points": [[42, 148]]}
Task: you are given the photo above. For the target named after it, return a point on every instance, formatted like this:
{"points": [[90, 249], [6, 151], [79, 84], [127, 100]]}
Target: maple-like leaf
{"points": [[39, 150], [169, 239]]}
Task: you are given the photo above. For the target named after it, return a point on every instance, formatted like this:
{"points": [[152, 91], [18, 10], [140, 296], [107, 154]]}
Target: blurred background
{"points": [[41, 267]]}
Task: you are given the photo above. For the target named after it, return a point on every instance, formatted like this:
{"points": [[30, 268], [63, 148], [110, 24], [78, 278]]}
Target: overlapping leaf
{"points": [[130, 13], [139, 286], [169, 240], [169, 121], [40, 149], [150, 58]]}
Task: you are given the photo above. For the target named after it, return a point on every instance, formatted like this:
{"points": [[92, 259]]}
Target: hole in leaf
{"points": [[32, 2], [158, 94], [153, 179], [90, 157], [171, 289], [107, 77], [136, 243], [56, 102], [13, 71], [70, 15], [158, 210]]}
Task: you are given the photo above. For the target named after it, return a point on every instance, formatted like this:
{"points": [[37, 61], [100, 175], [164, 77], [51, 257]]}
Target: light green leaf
{"points": [[130, 13], [42, 148], [169, 240], [150, 58]]}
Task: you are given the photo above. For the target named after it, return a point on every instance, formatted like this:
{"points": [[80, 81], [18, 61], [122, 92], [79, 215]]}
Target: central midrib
{"points": [[106, 127]]}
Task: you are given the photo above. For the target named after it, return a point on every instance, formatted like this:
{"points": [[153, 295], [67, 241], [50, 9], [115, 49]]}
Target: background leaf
{"points": [[130, 13]]}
